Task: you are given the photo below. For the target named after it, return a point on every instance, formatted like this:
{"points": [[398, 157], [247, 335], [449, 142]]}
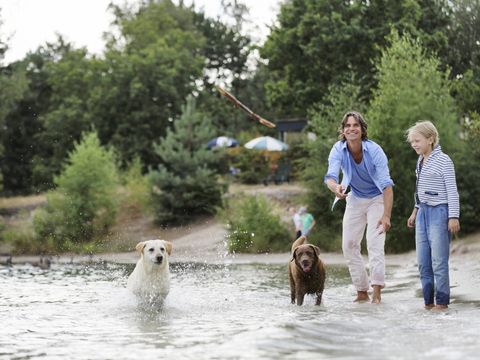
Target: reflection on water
{"points": [[228, 312]]}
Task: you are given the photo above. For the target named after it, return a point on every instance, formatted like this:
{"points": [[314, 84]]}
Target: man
{"points": [[369, 203]]}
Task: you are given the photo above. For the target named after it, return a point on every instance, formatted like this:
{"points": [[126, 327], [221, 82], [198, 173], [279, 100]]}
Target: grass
{"points": [[18, 202]]}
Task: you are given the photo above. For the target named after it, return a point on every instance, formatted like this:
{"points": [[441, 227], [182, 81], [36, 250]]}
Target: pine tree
{"points": [[185, 185]]}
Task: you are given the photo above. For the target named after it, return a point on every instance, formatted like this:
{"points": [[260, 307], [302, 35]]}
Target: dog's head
{"points": [[306, 256], [155, 251]]}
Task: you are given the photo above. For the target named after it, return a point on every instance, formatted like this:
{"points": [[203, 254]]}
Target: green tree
{"points": [[317, 42], [83, 206], [70, 78], [467, 168], [464, 54], [226, 52], [14, 85], [225, 49], [185, 186], [157, 54], [410, 88], [464, 36], [147, 73], [49, 116], [466, 90]]}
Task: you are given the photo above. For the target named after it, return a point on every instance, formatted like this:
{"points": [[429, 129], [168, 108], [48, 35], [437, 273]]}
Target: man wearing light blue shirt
{"points": [[369, 203]]}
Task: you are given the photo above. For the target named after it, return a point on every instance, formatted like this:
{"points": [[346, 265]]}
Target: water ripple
{"points": [[228, 312]]}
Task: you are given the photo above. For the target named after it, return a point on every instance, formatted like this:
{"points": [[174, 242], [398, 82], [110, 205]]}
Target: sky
{"points": [[28, 24]]}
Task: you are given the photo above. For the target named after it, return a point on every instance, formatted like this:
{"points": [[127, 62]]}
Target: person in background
{"points": [[435, 215], [369, 203], [297, 221], [308, 222]]}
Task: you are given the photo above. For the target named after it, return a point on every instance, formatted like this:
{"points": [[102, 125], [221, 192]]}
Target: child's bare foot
{"points": [[377, 295], [362, 296], [439, 307], [429, 306]]}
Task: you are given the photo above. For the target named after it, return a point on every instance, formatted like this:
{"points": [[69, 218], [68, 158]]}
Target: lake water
{"points": [[229, 312]]}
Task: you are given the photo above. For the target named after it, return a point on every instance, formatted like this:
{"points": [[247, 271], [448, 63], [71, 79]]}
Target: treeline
{"points": [[156, 55], [398, 61]]}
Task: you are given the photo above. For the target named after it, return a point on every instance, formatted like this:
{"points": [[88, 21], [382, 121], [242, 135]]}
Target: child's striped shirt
{"points": [[436, 182]]}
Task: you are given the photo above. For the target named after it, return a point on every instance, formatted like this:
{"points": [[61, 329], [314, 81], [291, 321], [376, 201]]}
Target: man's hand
{"points": [[340, 191], [384, 224]]}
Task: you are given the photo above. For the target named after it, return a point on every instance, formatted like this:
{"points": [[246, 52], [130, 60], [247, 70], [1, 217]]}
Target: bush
{"points": [[24, 241], [84, 204], [20, 236], [253, 166], [254, 228], [136, 188]]}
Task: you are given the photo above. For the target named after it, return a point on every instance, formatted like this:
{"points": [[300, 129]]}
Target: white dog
{"points": [[150, 280]]}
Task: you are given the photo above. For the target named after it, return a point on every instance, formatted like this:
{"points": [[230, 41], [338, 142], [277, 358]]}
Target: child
{"points": [[436, 213], [308, 222], [297, 222]]}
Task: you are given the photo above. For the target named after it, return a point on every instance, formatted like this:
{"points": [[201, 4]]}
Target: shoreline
{"points": [[207, 244], [209, 259], [219, 256]]}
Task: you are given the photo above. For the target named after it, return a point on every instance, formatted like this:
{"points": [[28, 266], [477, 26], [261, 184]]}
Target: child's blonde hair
{"points": [[426, 129]]}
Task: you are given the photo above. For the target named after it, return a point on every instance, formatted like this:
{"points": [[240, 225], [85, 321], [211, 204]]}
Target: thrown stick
{"points": [[238, 104]]}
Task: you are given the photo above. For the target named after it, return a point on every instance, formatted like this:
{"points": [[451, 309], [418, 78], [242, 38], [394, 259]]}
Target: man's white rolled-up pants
{"points": [[361, 213]]}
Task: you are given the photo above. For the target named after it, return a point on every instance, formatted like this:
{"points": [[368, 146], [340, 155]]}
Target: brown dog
{"points": [[306, 271]]}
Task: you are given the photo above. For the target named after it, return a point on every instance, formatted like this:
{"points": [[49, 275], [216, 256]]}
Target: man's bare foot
{"points": [[362, 296], [429, 306], [376, 297], [439, 307]]}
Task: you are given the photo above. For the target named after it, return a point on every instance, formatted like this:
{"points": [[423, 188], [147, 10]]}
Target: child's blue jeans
{"points": [[432, 240]]}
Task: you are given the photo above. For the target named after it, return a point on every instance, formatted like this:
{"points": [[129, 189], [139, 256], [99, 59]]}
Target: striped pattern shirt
{"points": [[436, 182]]}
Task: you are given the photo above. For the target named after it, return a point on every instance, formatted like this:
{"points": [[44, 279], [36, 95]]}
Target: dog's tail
{"points": [[300, 241]]}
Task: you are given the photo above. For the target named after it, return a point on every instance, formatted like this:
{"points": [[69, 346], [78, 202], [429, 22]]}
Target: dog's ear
{"points": [[316, 250], [294, 254], [140, 246], [169, 247]]}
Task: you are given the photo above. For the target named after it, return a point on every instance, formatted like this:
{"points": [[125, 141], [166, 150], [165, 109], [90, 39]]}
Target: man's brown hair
{"points": [[357, 116]]}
